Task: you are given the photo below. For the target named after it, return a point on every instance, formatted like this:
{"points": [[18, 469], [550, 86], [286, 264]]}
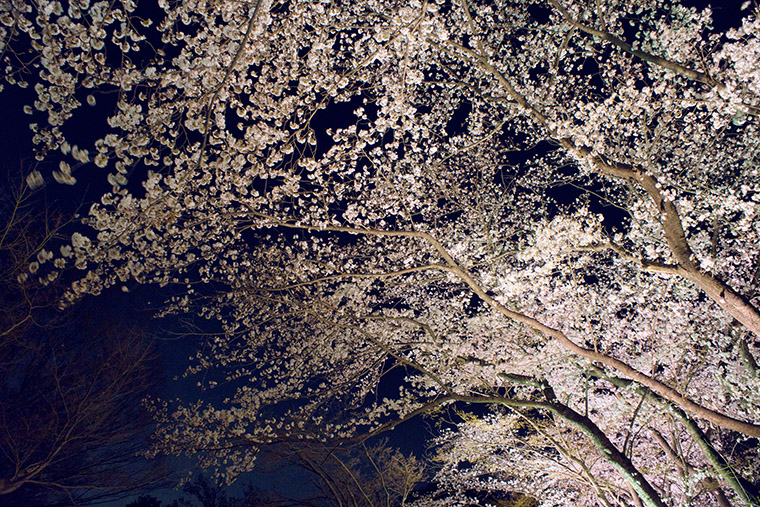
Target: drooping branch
{"points": [[451, 266], [621, 462], [731, 301], [658, 387]]}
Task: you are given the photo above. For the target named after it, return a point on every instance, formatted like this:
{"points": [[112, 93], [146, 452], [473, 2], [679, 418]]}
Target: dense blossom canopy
{"points": [[352, 186]]}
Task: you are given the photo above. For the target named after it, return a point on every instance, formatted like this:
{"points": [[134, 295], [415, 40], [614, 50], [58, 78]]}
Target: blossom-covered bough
{"points": [[349, 187]]}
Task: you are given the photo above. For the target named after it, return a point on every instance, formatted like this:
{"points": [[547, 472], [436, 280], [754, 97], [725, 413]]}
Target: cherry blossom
{"points": [[350, 189]]}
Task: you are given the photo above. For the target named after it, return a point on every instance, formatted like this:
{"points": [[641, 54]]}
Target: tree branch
{"points": [[648, 57]]}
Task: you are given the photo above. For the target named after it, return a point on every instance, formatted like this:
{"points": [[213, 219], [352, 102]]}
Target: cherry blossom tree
{"points": [[354, 189]]}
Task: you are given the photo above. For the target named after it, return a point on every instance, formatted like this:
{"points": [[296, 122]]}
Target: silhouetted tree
{"points": [[71, 382]]}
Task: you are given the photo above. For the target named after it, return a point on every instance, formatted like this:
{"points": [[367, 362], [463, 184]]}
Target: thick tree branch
{"points": [[453, 267], [731, 301]]}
